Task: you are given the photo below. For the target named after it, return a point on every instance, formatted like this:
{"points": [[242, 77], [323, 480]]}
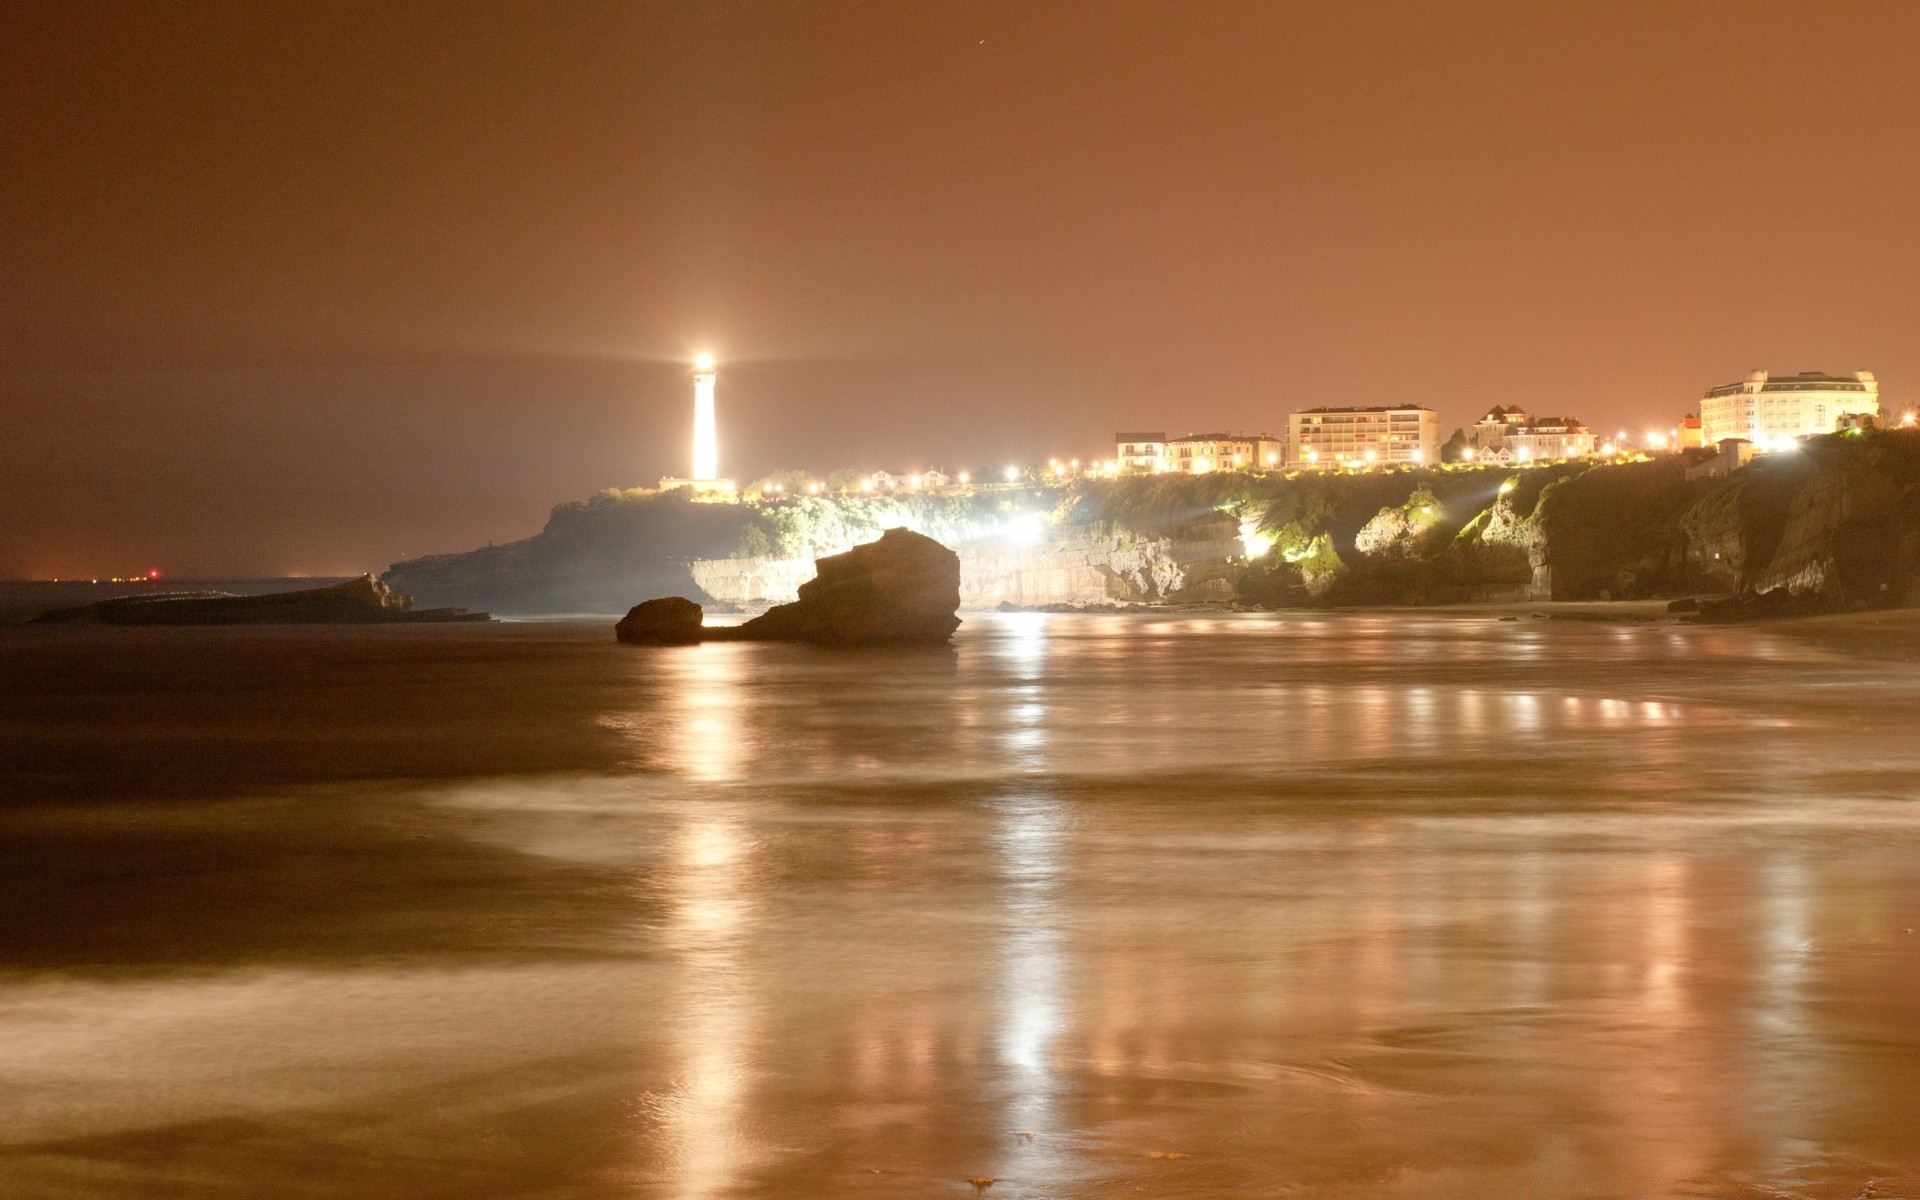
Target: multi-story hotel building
{"points": [[1199, 453], [1140, 451], [1509, 434], [1772, 410], [1361, 437]]}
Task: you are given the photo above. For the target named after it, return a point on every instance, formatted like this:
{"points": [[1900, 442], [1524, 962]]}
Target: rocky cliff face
{"points": [[1074, 567], [1613, 532], [1837, 518]]}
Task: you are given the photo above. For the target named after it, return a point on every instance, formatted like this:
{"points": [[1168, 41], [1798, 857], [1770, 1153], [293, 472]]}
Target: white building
{"points": [[1140, 451], [1509, 434], [1329, 438], [1200, 453], [1771, 410]]}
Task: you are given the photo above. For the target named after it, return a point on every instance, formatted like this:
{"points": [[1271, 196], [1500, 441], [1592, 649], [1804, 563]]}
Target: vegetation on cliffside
{"points": [[1821, 517]]}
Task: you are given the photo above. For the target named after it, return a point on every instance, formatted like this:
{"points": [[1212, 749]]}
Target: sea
{"points": [[1232, 905]]}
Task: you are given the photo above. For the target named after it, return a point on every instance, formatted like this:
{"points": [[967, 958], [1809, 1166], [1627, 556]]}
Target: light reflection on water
{"points": [[1329, 906]]}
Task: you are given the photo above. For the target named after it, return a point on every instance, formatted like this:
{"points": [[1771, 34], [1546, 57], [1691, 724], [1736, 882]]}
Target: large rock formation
{"points": [[362, 601], [668, 621], [1070, 567], [1837, 519], [901, 590]]}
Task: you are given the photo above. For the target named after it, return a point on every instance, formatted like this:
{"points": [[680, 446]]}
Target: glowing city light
{"points": [[1467, 454], [1370, 456], [703, 362], [966, 477], [1013, 474]]}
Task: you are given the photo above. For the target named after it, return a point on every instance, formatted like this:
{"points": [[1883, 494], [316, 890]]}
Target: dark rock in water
{"points": [[362, 601], [668, 621], [901, 590]]}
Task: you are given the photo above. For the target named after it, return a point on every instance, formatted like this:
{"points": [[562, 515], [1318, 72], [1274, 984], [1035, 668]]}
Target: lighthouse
{"points": [[706, 436], [706, 441]]}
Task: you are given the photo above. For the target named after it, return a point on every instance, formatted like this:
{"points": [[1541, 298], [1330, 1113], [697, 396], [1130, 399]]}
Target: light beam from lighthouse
{"points": [[706, 438]]}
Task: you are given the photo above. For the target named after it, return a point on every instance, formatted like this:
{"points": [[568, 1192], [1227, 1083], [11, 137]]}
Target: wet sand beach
{"points": [[1355, 905]]}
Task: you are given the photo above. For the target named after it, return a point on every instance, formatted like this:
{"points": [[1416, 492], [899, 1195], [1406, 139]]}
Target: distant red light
{"points": [[153, 574]]}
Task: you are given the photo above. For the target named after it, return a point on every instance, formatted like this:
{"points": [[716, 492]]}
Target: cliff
{"points": [[1837, 518], [1840, 519], [1069, 566]]}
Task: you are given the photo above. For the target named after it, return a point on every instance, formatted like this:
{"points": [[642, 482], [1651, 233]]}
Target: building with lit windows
{"points": [[1688, 435], [1199, 453], [1772, 410], [1329, 438], [1140, 451], [1510, 434]]}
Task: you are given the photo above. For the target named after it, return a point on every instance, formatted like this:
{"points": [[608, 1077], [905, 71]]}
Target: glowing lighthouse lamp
{"points": [[705, 480]]}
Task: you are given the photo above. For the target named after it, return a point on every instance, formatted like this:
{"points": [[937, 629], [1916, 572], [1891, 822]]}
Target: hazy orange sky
{"points": [[312, 287]]}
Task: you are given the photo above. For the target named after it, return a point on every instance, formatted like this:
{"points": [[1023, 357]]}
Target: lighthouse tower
{"points": [[706, 441], [706, 436]]}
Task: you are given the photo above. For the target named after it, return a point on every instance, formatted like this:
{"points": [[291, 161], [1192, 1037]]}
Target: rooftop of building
{"points": [[1805, 381], [1226, 437], [1378, 408], [1156, 436], [1513, 415]]}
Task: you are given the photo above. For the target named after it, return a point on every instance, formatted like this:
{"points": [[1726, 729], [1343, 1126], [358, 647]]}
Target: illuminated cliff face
{"points": [[1065, 568]]}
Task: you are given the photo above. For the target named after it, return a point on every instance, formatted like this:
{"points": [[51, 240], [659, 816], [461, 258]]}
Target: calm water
{"points": [[1357, 906]]}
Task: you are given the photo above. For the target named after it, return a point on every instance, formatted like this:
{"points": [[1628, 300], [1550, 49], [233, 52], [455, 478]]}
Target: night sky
{"points": [[311, 287]]}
